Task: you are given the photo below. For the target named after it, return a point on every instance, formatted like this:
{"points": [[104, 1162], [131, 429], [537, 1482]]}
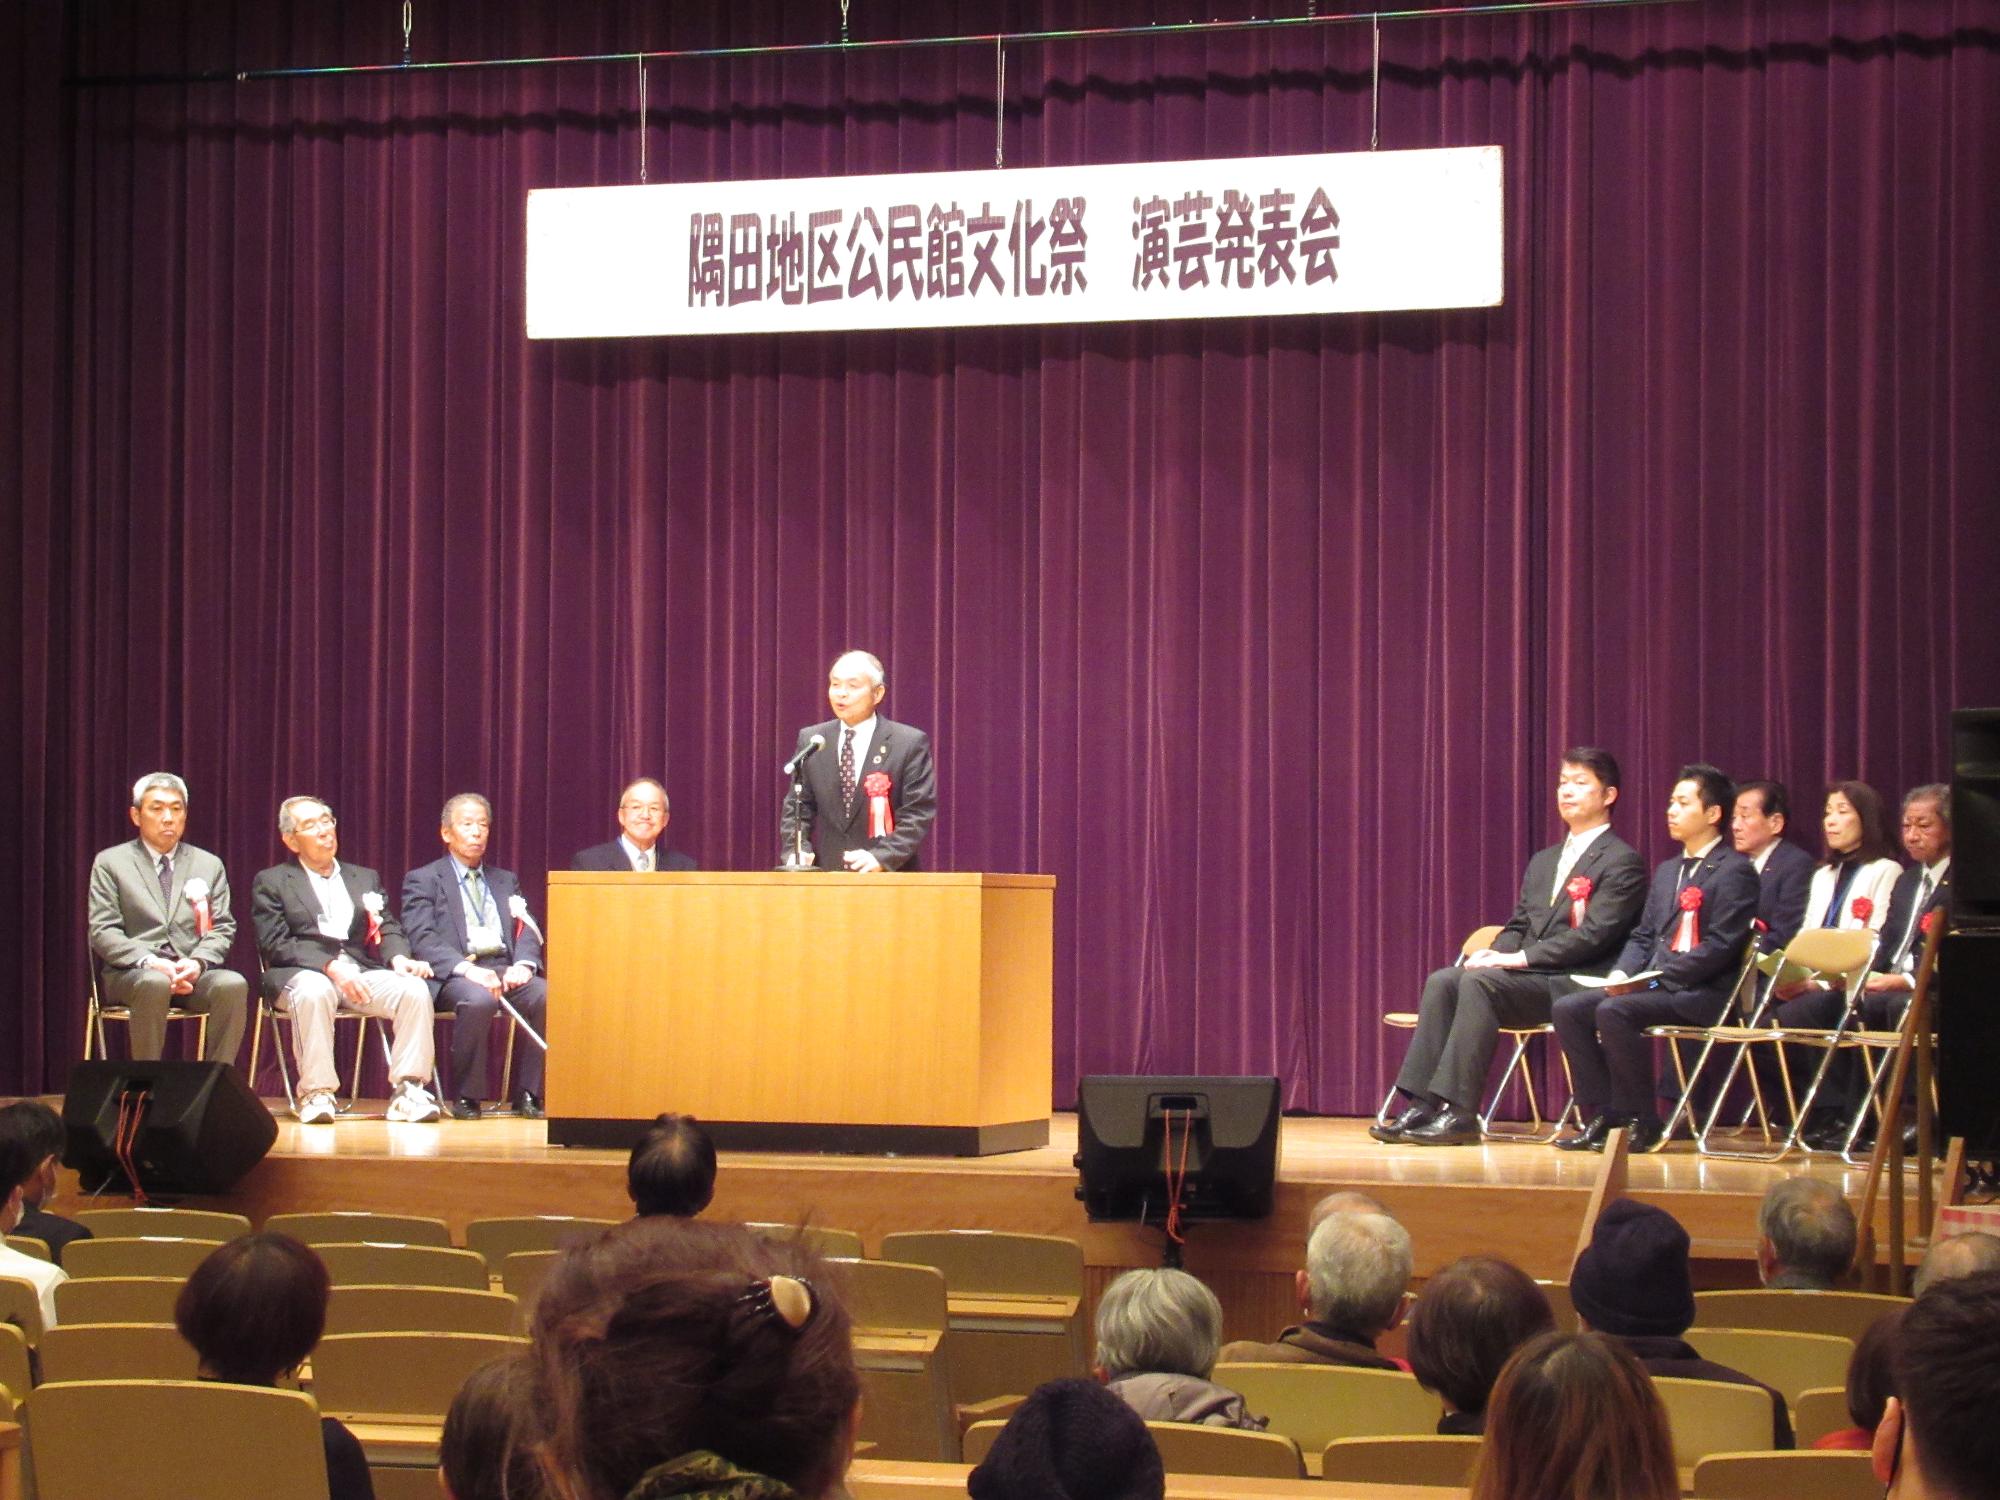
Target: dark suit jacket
{"points": [[434, 917], [612, 857], [1894, 946], [286, 916], [1728, 885], [52, 1230], [1540, 927], [1781, 894], [902, 754]]}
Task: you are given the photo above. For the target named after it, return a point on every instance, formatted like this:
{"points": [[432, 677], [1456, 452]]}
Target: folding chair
{"points": [[347, 1227], [1741, 1001], [117, 1351], [99, 1012], [268, 1014]]}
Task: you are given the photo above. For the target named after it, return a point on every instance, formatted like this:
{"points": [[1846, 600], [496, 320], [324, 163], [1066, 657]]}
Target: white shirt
{"points": [[1763, 856], [1573, 849], [633, 854], [334, 901], [43, 1276], [864, 736]]}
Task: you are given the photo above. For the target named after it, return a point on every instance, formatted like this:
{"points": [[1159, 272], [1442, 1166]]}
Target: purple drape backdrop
{"points": [[1259, 635]]}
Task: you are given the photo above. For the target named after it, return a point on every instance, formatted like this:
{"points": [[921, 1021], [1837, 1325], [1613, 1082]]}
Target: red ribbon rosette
{"points": [[196, 892], [1687, 932], [1927, 921], [1578, 891], [881, 822], [1863, 909]]}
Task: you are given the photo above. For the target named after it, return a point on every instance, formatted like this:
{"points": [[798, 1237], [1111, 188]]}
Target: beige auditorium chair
{"points": [[350, 1227]]}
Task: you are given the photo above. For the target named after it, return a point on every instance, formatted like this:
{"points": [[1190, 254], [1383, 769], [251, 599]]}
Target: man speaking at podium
{"points": [[865, 791]]}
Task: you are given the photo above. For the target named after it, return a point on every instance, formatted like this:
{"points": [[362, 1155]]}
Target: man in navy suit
{"points": [[1697, 919], [468, 920], [1578, 900], [643, 815], [1784, 870], [869, 796]]}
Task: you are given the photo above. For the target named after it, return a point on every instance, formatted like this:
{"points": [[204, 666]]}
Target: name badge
{"points": [[484, 941], [328, 927]]}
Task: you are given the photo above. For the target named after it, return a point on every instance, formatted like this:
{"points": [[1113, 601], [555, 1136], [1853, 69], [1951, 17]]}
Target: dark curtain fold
{"points": [[1261, 636]]}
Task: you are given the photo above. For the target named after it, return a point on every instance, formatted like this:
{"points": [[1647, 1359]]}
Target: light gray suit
{"points": [[129, 924]]}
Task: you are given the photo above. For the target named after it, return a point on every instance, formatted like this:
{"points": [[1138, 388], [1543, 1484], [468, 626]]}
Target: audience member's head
{"points": [[1805, 1232], [1957, 1255], [1157, 1322], [1937, 1439], [18, 1163], [675, 1346], [672, 1168], [1632, 1280], [1871, 1370], [487, 1451], [1346, 1201], [1574, 1416], [1854, 825], [254, 1309], [1071, 1440], [1468, 1321], [1357, 1269], [41, 1130]]}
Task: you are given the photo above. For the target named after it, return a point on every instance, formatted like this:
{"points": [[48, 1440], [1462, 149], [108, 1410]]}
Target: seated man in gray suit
{"points": [[643, 815], [160, 925]]}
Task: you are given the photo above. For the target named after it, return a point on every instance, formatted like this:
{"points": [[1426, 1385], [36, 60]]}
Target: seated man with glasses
{"points": [[643, 816], [328, 938]]}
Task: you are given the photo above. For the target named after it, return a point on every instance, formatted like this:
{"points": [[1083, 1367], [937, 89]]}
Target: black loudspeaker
{"points": [[201, 1127], [1123, 1128], [1975, 818], [1968, 1035]]}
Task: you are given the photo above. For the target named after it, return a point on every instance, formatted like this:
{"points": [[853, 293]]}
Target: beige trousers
{"points": [[402, 1000]]}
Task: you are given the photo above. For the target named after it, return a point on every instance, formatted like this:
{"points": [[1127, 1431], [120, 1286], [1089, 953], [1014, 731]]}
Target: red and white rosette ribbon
{"points": [[517, 908], [881, 822], [1578, 891], [196, 891], [1861, 909], [371, 903], [1687, 932], [1927, 921]]}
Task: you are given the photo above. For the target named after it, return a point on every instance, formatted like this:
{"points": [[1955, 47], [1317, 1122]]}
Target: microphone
{"points": [[817, 742]]}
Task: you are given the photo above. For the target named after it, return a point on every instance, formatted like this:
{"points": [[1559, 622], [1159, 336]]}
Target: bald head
{"points": [[1344, 1202]]}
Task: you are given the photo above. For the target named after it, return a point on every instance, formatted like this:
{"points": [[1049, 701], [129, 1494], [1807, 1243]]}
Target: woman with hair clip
{"points": [[679, 1358], [1574, 1416]]}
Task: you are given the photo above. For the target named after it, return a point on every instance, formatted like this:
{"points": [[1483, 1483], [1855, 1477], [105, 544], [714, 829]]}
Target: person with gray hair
{"points": [[1351, 1291], [868, 803], [160, 926], [1805, 1235], [1965, 1254], [1157, 1336]]}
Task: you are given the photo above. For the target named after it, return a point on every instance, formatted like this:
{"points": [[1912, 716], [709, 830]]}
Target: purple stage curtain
{"points": [[1262, 636]]}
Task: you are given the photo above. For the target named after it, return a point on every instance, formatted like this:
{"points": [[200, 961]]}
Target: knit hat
{"points": [[1071, 1440], [1633, 1281]]}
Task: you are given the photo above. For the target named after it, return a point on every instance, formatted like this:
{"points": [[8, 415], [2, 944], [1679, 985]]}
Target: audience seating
{"points": [[203, 1440], [1190, 1448], [522, 1274], [400, 1374], [1434, 1460], [1815, 1413], [118, 1299], [29, 1246], [833, 1244], [1559, 1303], [348, 1227], [21, 1305], [1015, 1303], [1788, 1362], [1779, 1476], [175, 1223], [420, 1309], [117, 1351], [1714, 1416], [403, 1265], [396, 1483], [14, 1368], [148, 1256], [1847, 1314], [1314, 1404], [978, 1440], [496, 1239], [901, 1318]]}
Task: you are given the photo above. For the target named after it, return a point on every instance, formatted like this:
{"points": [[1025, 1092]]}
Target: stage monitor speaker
{"points": [[1975, 818], [1122, 1128], [1968, 1037], [201, 1128]]}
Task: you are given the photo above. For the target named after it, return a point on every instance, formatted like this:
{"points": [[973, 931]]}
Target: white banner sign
{"points": [[1361, 231]]}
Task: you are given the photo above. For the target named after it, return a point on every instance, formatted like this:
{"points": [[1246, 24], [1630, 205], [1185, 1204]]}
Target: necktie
{"points": [[1687, 871], [645, 865], [166, 883], [847, 765], [475, 888], [1565, 862]]}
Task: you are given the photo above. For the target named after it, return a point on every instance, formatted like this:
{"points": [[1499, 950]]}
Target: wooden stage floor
{"points": [[1520, 1200]]}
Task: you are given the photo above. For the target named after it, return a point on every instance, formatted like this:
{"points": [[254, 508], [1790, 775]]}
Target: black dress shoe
{"points": [[465, 1109], [1828, 1135], [1646, 1134], [529, 1107], [1417, 1114], [1450, 1126], [1593, 1136]]}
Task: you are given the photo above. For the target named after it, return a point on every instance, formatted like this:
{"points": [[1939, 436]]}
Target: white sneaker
{"points": [[316, 1108], [412, 1105]]}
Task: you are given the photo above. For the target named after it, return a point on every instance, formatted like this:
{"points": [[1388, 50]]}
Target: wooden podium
{"points": [[802, 1011]]}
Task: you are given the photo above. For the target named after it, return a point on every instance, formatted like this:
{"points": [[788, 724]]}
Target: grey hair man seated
{"points": [[1351, 1292], [1805, 1236], [1966, 1254]]}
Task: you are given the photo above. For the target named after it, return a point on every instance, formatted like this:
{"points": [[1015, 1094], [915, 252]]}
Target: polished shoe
{"points": [[1417, 1114], [465, 1109], [1593, 1136], [1828, 1135], [529, 1107], [1646, 1134], [1450, 1126]]}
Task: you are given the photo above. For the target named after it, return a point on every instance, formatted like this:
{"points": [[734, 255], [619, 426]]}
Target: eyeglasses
{"points": [[322, 824], [643, 809]]}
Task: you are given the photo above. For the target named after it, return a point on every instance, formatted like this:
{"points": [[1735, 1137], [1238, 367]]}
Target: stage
{"points": [[1521, 1200]]}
